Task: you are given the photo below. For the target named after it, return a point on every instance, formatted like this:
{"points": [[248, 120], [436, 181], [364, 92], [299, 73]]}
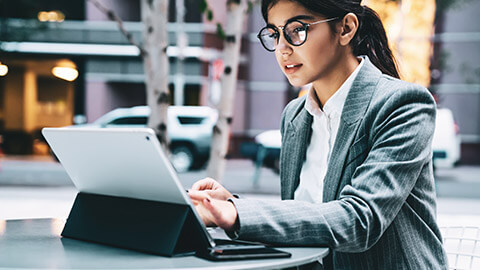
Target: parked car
{"points": [[189, 128], [446, 140], [445, 145], [271, 142]]}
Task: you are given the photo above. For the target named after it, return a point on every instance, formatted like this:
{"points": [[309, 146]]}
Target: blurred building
{"points": [[455, 70], [38, 36], [110, 70]]}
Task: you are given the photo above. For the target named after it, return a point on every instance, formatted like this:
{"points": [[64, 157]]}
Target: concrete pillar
{"points": [[30, 100]]}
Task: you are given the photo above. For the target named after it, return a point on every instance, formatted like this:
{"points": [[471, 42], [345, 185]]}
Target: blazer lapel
{"points": [[356, 104], [294, 149]]}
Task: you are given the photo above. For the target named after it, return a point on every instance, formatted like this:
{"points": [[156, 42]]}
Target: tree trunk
{"points": [[155, 62], [236, 10]]}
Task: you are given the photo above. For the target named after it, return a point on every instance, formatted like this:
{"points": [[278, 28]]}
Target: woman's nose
{"points": [[283, 47]]}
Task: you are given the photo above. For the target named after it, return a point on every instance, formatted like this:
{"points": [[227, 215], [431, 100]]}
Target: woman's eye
{"points": [[273, 35], [298, 29]]}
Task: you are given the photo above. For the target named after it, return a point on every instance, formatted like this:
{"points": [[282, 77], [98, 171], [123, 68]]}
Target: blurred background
{"points": [[66, 63]]}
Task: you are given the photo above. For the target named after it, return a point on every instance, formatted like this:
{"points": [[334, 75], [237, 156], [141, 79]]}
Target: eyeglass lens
{"points": [[295, 33]]}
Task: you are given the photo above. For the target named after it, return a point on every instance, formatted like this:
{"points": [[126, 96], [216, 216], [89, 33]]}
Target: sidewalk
{"points": [[38, 187], [458, 182], [55, 202]]}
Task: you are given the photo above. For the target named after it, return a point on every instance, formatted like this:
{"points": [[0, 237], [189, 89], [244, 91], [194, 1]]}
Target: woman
{"points": [[356, 161]]}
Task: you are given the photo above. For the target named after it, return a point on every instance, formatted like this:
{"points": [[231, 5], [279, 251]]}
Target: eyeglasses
{"points": [[295, 32]]}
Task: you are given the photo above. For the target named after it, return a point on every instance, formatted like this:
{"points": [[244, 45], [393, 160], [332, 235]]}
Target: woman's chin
{"points": [[295, 82]]}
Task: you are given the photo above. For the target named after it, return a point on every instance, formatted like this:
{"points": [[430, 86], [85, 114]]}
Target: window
{"points": [[140, 120], [190, 120]]}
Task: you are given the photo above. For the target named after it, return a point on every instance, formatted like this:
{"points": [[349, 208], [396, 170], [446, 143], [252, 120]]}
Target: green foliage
{"points": [[220, 32], [250, 6], [203, 6], [205, 9], [443, 60], [209, 15], [444, 5], [22, 30]]}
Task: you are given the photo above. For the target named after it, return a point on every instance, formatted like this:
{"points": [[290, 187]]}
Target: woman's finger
{"points": [[198, 195], [206, 183]]}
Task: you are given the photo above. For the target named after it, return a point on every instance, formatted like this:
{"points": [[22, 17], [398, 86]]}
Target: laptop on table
{"points": [[126, 174]]}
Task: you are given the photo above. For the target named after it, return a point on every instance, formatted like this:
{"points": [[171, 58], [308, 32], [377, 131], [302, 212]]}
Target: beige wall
{"points": [[56, 113], [13, 103], [23, 110]]}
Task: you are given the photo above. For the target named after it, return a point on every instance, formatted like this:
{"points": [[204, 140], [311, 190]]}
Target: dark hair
{"points": [[370, 39]]}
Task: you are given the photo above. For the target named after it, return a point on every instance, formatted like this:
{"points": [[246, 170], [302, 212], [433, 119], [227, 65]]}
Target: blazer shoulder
{"points": [[395, 90]]}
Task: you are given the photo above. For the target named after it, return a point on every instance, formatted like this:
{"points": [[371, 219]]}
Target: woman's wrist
{"points": [[233, 232]]}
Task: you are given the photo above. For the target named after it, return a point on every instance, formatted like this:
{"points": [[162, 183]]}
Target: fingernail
{"points": [[208, 200]]}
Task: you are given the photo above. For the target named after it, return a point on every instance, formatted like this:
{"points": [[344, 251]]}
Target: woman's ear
{"points": [[349, 27]]}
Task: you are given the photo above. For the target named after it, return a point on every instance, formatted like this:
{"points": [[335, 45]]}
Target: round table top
{"points": [[36, 243]]}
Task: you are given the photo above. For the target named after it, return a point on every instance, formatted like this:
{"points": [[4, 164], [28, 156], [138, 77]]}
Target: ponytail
{"points": [[371, 40]]}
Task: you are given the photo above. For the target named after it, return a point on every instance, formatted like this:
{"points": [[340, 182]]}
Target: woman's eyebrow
{"points": [[298, 17]]}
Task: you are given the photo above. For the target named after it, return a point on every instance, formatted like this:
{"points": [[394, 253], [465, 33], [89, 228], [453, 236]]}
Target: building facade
{"points": [[110, 70]]}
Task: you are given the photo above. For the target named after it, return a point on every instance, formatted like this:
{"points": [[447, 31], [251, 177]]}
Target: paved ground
{"points": [[38, 187]]}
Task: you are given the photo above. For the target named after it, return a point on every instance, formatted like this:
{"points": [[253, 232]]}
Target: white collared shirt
{"points": [[324, 131]]}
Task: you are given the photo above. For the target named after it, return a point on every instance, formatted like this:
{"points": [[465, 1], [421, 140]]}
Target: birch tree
{"points": [[236, 10], [155, 60]]}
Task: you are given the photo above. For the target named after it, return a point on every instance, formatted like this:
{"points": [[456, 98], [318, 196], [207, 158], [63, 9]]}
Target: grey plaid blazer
{"points": [[379, 209]]}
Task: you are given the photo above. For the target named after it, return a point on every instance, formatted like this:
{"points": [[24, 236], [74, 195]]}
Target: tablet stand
{"points": [[148, 226]]}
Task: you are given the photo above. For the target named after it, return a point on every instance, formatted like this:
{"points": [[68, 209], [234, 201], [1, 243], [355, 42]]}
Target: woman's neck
{"points": [[329, 84]]}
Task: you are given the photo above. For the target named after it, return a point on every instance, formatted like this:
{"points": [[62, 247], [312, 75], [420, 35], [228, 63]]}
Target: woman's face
{"points": [[311, 61]]}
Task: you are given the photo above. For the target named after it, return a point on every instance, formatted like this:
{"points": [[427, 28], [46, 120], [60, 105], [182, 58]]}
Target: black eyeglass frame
{"points": [[287, 37]]}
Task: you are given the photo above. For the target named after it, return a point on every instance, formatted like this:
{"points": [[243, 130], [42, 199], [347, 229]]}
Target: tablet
{"points": [[124, 162], [129, 162]]}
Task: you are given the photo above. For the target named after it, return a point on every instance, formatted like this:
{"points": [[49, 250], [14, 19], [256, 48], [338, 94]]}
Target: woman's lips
{"points": [[292, 68]]}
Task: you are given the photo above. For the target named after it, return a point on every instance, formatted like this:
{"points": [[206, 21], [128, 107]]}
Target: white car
{"points": [[445, 145], [446, 140], [189, 129]]}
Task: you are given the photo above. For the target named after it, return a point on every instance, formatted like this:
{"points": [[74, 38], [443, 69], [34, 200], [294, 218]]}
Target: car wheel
{"points": [[182, 158], [276, 165]]}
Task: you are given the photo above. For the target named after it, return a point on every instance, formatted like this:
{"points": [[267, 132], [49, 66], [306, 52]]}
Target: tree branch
{"points": [[113, 17]]}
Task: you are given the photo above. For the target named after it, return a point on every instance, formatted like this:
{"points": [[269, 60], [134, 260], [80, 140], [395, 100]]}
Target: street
{"points": [[39, 187]]}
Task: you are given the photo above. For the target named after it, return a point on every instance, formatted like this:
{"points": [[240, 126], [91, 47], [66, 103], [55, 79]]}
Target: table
{"points": [[36, 243]]}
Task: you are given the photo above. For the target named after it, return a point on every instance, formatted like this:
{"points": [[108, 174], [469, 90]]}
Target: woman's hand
{"points": [[217, 212], [212, 188]]}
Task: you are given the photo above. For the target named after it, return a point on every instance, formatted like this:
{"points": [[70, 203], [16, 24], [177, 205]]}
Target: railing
{"points": [[103, 32]]}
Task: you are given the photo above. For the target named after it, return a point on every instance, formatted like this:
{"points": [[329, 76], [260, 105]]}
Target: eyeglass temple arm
{"points": [[322, 21]]}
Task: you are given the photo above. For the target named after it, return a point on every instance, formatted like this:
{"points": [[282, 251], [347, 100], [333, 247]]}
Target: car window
{"points": [[129, 121], [190, 120]]}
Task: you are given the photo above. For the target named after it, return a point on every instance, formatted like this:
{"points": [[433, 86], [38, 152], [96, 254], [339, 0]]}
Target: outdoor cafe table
{"points": [[37, 244]]}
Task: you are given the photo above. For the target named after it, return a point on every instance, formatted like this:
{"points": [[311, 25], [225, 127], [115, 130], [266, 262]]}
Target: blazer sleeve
{"points": [[400, 136]]}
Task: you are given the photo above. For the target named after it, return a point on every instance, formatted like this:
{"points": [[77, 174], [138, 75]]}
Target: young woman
{"points": [[356, 160]]}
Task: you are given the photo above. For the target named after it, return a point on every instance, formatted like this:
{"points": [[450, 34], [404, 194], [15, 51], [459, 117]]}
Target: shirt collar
{"points": [[335, 103]]}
